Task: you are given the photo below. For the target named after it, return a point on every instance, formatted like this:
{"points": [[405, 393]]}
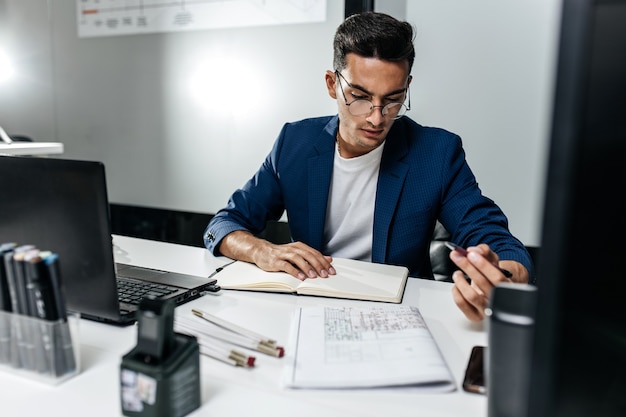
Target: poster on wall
{"points": [[128, 17]]}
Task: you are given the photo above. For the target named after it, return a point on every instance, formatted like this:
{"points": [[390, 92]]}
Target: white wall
{"points": [[483, 70]]}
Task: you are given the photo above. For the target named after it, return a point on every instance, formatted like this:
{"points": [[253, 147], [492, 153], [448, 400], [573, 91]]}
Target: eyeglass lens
{"points": [[365, 107]]}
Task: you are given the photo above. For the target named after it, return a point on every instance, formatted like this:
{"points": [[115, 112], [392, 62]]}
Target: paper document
{"points": [[365, 347]]}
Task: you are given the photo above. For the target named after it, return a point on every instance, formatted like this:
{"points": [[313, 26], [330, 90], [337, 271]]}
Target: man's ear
{"points": [[331, 84]]}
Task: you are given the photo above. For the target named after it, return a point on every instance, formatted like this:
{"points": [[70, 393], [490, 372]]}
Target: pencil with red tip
{"points": [[254, 340]]}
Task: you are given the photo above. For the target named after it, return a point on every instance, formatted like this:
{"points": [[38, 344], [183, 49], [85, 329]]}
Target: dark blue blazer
{"points": [[423, 177]]}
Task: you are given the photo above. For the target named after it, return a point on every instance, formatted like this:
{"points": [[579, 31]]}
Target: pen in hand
{"points": [[463, 252]]}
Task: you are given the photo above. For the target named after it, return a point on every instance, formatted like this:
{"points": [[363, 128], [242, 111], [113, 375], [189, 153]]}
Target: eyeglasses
{"points": [[362, 107]]}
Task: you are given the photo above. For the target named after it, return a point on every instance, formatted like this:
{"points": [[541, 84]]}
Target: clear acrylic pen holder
{"points": [[42, 350]]}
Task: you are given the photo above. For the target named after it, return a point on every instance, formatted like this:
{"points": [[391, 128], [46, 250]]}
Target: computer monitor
{"points": [[579, 356]]}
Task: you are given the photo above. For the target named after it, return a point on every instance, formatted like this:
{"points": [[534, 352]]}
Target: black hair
{"points": [[373, 35]]}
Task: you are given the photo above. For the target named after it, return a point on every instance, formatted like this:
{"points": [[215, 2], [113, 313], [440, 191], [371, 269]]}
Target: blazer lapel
{"points": [[393, 172], [320, 171]]}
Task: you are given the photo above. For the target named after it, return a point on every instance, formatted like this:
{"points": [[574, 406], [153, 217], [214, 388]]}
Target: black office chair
{"points": [[440, 262]]}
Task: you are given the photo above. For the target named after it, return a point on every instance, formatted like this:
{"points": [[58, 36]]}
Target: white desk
{"points": [[31, 148], [230, 391]]}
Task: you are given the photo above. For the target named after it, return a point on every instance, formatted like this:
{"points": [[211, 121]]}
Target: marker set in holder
{"points": [[36, 333]]}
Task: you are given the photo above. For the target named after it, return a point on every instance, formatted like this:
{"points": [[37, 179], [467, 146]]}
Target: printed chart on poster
{"points": [[128, 17]]}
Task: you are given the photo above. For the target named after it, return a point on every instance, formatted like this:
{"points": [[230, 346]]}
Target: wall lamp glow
{"points": [[227, 84]]}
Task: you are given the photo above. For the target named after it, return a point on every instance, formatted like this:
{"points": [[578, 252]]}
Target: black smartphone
{"points": [[474, 380]]}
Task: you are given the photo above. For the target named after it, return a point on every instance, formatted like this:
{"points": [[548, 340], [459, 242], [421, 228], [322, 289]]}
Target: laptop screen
{"points": [[61, 205]]}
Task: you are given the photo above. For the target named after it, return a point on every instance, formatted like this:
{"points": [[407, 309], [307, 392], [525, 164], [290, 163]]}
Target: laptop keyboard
{"points": [[131, 291]]}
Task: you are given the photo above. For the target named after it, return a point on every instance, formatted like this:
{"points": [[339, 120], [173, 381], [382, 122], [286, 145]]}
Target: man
{"points": [[370, 183]]}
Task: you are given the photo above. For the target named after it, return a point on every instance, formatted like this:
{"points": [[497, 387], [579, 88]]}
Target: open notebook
{"points": [[62, 205], [356, 280]]}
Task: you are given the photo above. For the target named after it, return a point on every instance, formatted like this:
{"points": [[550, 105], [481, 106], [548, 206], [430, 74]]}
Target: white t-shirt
{"points": [[350, 211]]}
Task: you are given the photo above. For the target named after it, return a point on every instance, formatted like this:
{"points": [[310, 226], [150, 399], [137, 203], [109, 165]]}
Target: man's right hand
{"points": [[297, 259]]}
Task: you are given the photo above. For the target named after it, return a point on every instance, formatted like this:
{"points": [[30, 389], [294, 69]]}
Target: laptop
{"points": [[62, 205]]}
